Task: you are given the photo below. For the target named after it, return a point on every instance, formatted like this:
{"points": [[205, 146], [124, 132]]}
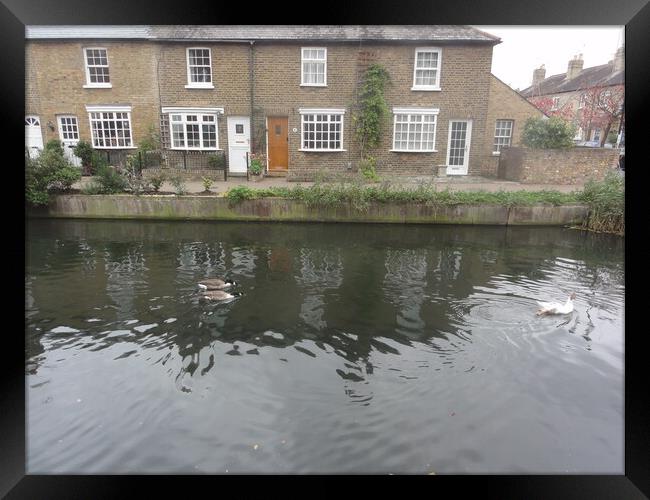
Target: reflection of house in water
{"points": [[404, 286], [125, 274], [243, 262], [320, 270]]}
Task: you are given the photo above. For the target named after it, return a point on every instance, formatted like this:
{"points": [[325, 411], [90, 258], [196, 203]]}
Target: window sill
{"points": [[323, 150], [115, 147], [195, 149], [98, 86], [427, 89], [313, 85], [199, 86], [413, 150], [496, 153]]}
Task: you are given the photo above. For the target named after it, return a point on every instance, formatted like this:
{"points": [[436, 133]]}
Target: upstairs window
{"points": [[426, 70], [199, 68], [582, 101], [96, 61], [314, 67], [502, 135]]}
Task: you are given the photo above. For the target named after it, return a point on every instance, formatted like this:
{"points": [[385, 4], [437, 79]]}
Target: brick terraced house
{"points": [[591, 98], [286, 91]]}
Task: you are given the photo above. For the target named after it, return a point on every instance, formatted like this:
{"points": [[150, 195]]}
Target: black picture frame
{"points": [[634, 14]]}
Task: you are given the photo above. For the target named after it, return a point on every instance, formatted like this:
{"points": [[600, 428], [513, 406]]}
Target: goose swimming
{"points": [[216, 284], [217, 295], [556, 307]]}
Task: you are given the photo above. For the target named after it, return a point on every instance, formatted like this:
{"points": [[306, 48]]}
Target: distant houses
{"points": [[591, 98]]}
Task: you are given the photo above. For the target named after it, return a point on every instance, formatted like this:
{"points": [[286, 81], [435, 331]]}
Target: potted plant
{"points": [[256, 167]]}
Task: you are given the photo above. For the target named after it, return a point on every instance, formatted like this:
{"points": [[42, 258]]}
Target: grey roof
{"points": [[86, 31], [603, 75], [441, 33]]}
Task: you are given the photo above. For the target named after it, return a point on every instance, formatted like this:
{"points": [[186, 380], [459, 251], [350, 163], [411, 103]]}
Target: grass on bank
{"points": [[360, 196]]}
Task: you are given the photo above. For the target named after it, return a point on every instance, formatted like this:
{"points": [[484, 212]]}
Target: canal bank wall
{"points": [[166, 207]]}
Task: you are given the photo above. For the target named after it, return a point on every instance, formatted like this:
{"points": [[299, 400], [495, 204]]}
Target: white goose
{"points": [[556, 307]]}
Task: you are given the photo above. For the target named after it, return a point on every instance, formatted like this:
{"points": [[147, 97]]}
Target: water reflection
{"points": [[389, 318]]}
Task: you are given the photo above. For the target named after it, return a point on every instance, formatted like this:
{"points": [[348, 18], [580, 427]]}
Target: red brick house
{"points": [[286, 91]]}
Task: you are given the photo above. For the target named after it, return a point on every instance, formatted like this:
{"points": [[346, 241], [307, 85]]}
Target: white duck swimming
{"points": [[215, 284], [556, 307]]}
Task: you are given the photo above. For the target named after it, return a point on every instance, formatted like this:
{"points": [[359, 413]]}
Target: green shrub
{"points": [[179, 185], [606, 200], [135, 183], [552, 133], [92, 188], [240, 193], [111, 180], [54, 145], [207, 183], [85, 151], [48, 173], [367, 167], [157, 181], [217, 160]]}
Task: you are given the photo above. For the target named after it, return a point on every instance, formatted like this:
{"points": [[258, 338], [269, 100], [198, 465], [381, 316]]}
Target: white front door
{"points": [[69, 135], [460, 137], [33, 136], [239, 139]]}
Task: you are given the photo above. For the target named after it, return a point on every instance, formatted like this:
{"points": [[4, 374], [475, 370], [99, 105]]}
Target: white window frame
{"points": [[497, 152], [198, 85], [556, 104], [582, 100], [320, 61], [321, 111], [193, 111], [64, 127], [594, 136], [109, 109], [414, 112], [96, 85], [438, 68]]}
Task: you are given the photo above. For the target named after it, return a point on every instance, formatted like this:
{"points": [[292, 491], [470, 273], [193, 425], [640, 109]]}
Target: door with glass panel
{"points": [[460, 136], [69, 135], [33, 136], [239, 140]]}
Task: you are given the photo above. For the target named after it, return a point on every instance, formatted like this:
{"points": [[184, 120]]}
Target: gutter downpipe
{"points": [[252, 92]]}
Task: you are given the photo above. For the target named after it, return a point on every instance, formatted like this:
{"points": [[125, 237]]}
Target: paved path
{"points": [[454, 184]]}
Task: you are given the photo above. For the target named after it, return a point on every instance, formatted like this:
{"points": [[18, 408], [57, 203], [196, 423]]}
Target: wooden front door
{"points": [[278, 142]]}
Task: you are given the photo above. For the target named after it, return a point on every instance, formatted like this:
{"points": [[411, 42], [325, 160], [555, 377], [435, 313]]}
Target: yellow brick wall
{"points": [[149, 75], [55, 76], [504, 104]]}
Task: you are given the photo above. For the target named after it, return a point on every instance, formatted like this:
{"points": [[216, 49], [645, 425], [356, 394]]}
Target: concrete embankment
{"points": [[275, 209]]}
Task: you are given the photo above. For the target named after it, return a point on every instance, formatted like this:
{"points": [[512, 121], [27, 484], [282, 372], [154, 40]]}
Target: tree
{"points": [[602, 107], [545, 105]]}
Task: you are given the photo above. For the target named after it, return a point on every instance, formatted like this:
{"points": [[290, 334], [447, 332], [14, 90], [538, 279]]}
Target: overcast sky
{"points": [[524, 48]]}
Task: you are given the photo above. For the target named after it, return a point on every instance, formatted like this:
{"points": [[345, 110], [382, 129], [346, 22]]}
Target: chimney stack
{"points": [[619, 60], [575, 67], [539, 74]]}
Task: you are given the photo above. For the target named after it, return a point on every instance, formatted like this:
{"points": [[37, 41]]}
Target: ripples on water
{"points": [[353, 349]]}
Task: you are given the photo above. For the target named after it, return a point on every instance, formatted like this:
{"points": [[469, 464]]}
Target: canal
{"points": [[353, 348]]}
